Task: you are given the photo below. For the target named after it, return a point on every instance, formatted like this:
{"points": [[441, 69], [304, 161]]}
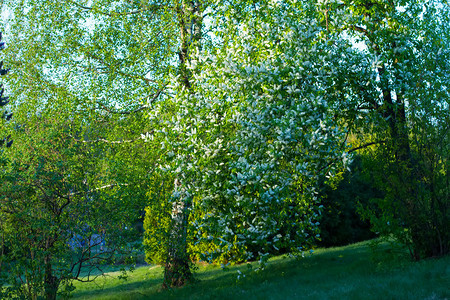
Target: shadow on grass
{"points": [[215, 282], [307, 270], [350, 272], [110, 286]]}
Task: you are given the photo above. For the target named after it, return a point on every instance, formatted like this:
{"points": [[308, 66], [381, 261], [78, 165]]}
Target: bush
{"points": [[415, 209], [341, 224]]}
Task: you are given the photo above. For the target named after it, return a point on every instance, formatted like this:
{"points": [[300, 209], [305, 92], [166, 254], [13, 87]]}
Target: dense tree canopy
{"points": [[223, 118]]}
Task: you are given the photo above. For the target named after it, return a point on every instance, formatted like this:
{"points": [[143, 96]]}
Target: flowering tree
{"points": [[227, 113], [246, 133], [251, 137], [283, 135]]}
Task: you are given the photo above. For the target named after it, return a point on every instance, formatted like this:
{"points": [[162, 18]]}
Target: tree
{"points": [[250, 139], [259, 169], [58, 224], [238, 108], [161, 50], [102, 51], [3, 101], [399, 90]]}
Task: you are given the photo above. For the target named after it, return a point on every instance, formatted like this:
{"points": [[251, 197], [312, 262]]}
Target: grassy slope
{"points": [[351, 272]]}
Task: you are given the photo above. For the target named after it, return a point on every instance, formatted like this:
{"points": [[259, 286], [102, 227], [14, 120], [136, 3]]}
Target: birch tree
{"points": [[109, 61]]}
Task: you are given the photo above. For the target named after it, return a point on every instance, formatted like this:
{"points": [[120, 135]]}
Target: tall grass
{"points": [[351, 272]]}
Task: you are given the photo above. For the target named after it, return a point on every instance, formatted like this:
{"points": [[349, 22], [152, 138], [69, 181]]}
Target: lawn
{"points": [[352, 272]]}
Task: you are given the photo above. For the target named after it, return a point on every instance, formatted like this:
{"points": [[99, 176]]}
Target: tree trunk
{"points": [[415, 213], [177, 271], [395, 114], [51, 283]]}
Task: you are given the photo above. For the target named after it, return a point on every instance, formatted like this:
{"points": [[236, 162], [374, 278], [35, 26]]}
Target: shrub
{"points": [[341, 224]]}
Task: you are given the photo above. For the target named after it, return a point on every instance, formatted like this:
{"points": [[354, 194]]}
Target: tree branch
{"points": [[154, 97], [353, 150], [359, 29], [366, 145], [111, 14], [104, 141], [99, 188], [79, 5], [123, 112]]}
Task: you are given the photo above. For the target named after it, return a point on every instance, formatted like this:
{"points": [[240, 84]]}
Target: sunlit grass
{"points": [[350, 272]]}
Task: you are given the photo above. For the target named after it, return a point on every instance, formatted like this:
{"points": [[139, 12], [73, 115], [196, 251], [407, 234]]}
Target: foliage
{"points": [[67, 83], [423, 228], [100, 71], [402, 104], [341, 223], [4, 117], [157, 224], [222, 117], [56, 226], [250, 138]]}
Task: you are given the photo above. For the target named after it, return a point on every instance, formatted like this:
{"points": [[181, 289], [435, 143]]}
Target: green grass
{"points": [[350, 272]]}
